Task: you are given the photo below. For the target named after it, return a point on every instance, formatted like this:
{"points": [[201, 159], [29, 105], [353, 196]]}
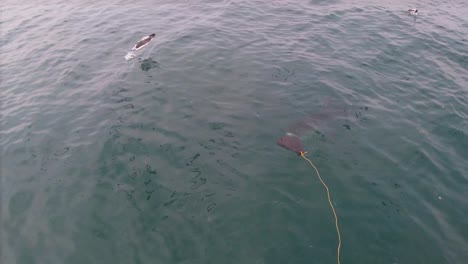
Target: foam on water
{"points": [[130, 55]]}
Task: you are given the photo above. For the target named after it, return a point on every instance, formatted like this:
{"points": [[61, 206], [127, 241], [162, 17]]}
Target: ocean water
{"points": [[171, 157]]}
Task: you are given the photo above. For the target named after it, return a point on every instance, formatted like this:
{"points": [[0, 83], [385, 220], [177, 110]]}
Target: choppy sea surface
{"points": [[171, 157]]}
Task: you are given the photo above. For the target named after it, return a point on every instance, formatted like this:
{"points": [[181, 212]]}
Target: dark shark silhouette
{"points": [[292, 139]]}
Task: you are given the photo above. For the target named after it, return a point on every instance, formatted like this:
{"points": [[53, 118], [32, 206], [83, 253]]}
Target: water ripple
{"points": [[171, 157]]}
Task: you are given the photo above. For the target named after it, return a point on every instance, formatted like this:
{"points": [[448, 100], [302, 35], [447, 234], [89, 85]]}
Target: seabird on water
{"points": [[413, 11], [143, 42]]}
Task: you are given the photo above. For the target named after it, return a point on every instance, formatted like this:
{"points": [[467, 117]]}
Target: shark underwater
{"points": [[291, 140]]}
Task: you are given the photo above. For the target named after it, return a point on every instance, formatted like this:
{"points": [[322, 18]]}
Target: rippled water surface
{"points": [[172, 158]]}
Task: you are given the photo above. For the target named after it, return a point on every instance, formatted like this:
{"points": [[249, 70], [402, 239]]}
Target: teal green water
{"points": [[171, 157]]}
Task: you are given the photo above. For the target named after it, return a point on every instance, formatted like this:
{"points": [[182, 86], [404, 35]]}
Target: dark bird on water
{"points": [[413, 11], [143, 42]]}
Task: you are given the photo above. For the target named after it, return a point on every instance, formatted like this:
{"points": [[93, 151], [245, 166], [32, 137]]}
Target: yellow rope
{"points": [[330, 202]]}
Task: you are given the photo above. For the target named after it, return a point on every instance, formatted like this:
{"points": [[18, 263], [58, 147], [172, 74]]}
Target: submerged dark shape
{"points": [[291, 140], [148, 64]]}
